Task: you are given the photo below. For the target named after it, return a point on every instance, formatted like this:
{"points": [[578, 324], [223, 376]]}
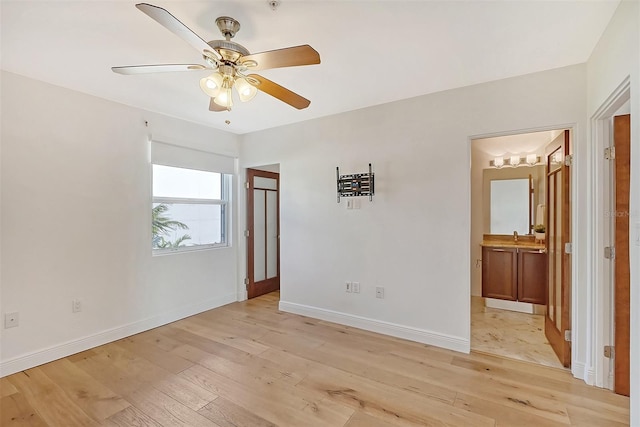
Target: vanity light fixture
{"points": [[498, 162], [515, 161]]}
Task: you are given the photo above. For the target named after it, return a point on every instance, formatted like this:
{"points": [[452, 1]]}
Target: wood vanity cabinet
{"points": [[514, 274]]}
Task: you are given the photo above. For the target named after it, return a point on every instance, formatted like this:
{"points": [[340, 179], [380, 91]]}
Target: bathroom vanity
{"points": [[514, 270]]}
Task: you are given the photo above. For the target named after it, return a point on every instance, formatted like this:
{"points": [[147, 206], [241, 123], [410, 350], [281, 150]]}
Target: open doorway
{"points": [[263, 231], [520, 223]]}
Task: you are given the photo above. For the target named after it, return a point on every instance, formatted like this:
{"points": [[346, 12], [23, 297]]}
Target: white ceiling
{"points": [[520, 144], [372, 52]]}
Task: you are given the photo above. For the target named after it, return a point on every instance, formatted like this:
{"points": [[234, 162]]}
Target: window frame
{"points": [[223, 202]]}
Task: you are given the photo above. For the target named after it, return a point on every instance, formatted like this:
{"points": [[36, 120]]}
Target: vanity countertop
{"points": [[507, 241]]}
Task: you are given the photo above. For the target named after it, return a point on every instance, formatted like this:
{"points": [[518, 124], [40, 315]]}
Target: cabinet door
{"points": [[499, 273], [532, 276]]}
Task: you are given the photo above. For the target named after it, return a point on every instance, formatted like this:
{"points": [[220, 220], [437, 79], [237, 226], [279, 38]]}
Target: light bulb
{"points": [[498, 162], [246, 91], [514, 161], [211, 85]]}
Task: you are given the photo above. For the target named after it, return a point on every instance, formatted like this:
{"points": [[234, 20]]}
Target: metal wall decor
{"points": [[355, 184]]}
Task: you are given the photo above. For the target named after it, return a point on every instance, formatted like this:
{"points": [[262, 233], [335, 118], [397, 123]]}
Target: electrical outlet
{"points": [[11, 320], [355, 287], [76, 305], [347, 287], [379, 292]]}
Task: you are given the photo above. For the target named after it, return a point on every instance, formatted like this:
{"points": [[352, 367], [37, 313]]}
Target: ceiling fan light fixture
{"points": [[211, 85], [246, 91]]}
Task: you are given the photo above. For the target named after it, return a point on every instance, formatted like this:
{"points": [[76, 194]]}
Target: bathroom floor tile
{"points": [[510, 334]]}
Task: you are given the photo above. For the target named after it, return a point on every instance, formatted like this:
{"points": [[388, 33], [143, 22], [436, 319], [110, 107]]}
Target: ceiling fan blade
{"points": [[173, 24], [215, 107], [163, 68], [277, 91], [287, 57]]}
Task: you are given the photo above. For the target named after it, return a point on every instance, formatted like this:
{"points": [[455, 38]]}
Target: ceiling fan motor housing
{"points": [[230, 51]]}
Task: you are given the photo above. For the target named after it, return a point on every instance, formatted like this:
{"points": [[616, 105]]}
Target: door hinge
{"points": [[610, 153], [609, 252], [568, 160], [609, 351], [246, 233], [567, 335], [568, 247], [246, 282], [246, 184]]}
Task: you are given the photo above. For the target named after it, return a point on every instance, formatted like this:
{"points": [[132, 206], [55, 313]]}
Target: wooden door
{"points": [[500, 273], [263, 240], [622, 143], [557, 323]]}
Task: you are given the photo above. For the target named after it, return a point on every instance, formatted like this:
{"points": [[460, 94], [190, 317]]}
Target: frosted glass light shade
{"points": [[532, 159], [514, 161], [211, 85], [498, 162], [245, 90], [224, 98]]}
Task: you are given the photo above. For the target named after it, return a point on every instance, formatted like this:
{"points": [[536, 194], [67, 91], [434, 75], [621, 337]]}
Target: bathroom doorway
{"points": [[509, 246]]}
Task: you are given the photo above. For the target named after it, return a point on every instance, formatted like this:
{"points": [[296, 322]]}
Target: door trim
{"points": [[269, 284], [599, 315]]}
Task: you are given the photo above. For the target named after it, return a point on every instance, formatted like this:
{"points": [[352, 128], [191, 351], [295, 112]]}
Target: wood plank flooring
{"points": [[249, 365]]}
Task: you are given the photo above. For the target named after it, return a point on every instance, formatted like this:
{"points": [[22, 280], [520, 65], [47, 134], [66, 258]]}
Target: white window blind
{"points": [[182, 157]]}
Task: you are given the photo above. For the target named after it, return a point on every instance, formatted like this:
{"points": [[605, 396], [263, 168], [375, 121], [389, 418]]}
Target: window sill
{"points": [[188, 249]]}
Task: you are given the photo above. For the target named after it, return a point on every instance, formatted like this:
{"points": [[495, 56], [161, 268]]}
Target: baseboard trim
{"points": [[39, 357], [386, 328], [580, 371]]}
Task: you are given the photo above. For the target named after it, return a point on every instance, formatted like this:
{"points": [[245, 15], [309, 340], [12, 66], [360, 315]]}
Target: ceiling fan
{"points": [[230, 62]]}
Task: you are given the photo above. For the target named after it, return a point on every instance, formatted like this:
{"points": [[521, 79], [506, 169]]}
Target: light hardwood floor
{"points": [[248, 364]]}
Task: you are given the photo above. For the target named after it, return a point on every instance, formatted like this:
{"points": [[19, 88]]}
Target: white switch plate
{"points": [[355, 287], [379, 292], [349, 203], [637, 236], [11, 320], [347, 286]]}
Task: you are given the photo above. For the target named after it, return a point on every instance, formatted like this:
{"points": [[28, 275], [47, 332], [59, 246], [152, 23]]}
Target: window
{"points": [[190, 209]]}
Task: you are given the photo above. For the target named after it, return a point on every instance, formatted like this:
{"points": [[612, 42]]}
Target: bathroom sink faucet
{"points": [[515, 236]]}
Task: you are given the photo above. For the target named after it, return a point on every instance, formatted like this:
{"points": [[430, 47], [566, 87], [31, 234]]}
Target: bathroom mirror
{"points": [[510, 206], [510, 199]]}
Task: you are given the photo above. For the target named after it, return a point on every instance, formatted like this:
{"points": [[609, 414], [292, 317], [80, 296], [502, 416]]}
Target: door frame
{"points": [[600, 298], [273, 283], [577, 328]]}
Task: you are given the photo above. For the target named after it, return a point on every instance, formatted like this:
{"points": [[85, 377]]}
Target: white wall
{"points": [[615, 58], [414, 237], [76, 197]]}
